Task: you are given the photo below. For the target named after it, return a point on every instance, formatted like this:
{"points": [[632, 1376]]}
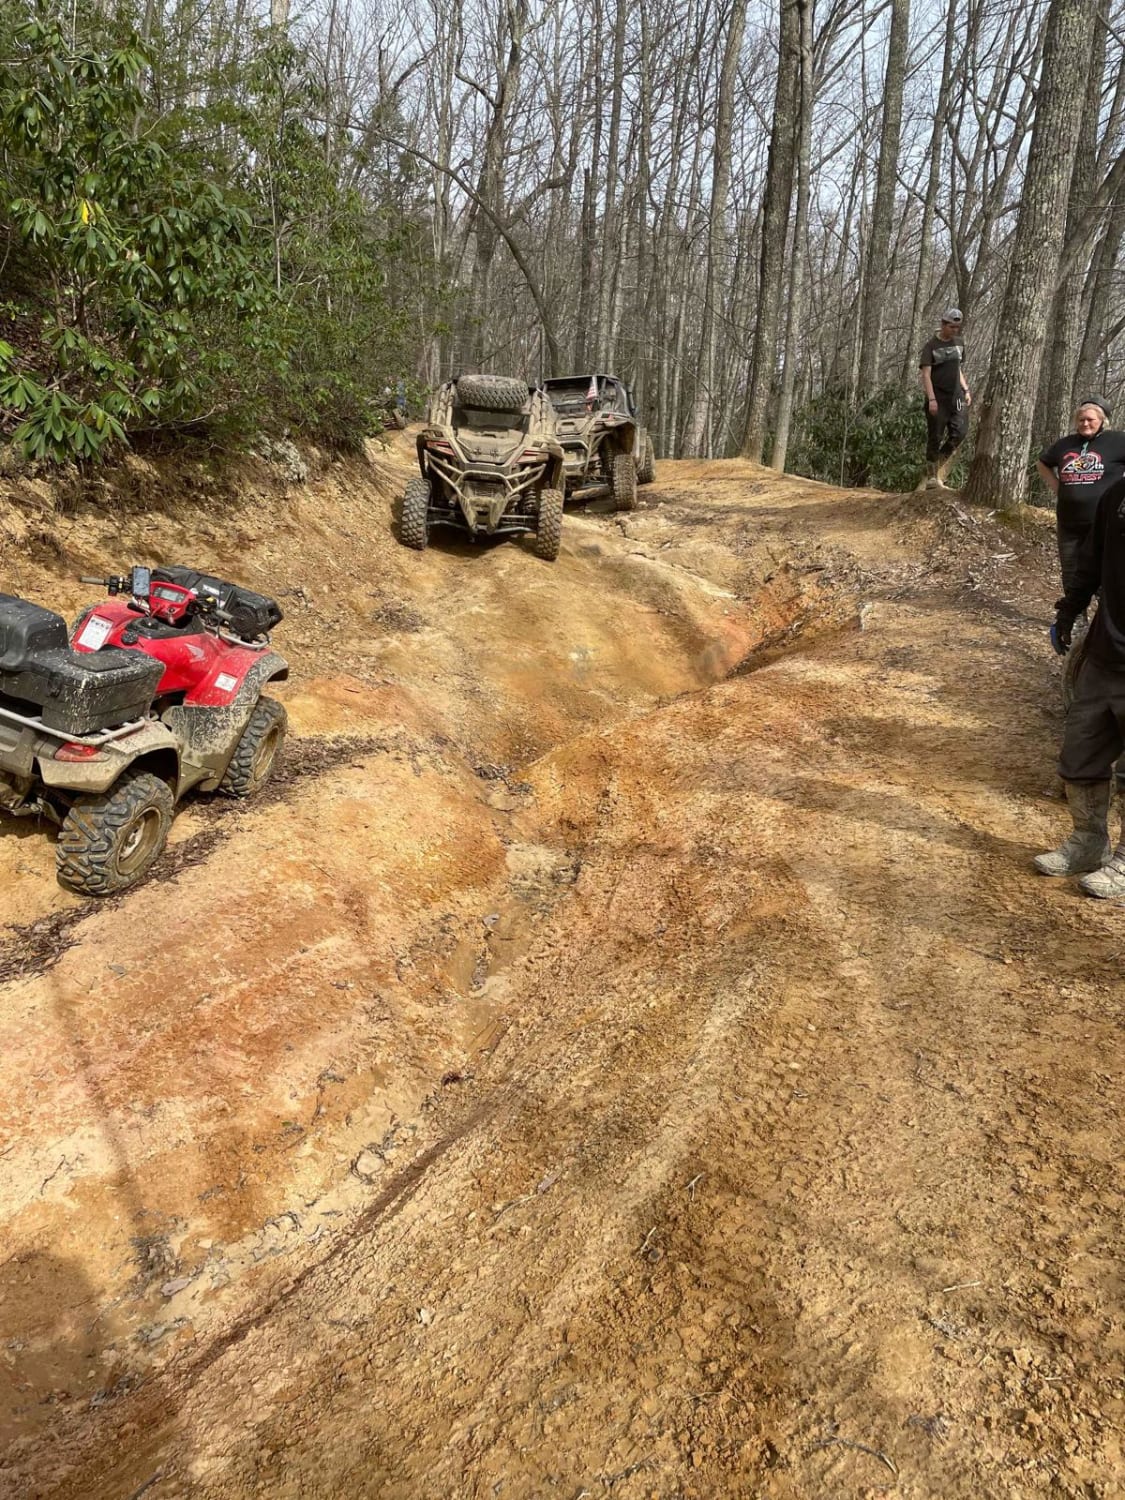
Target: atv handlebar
{"points": [[138, 582]]}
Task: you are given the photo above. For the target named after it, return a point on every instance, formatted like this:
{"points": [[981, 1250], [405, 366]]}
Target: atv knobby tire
{"points": [[624, 482], [548, 528], [108, 841], [491, 393], [414, 529], [257, 752], [646, 472]]}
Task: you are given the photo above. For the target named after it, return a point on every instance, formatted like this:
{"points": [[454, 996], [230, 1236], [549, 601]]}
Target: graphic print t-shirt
{"points": [[945, 358], [1086, 467]]}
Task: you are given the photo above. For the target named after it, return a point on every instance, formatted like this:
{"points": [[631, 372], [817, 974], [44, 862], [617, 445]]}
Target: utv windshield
{"points": [[573, 394], [569, 396]]}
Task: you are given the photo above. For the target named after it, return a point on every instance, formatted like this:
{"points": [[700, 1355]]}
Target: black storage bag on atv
{"points": [[73, 692], [251, 615]]}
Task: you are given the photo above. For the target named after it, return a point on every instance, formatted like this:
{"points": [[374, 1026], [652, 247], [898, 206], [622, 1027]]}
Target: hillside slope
{"points": [[627, 1053]]}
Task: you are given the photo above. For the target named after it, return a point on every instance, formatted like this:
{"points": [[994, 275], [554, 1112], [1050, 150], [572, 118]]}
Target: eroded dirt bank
{"points": [[591, 1071]]}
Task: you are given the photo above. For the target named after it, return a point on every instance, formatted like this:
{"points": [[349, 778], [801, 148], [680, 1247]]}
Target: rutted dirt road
{"points": [[627, 1055]]}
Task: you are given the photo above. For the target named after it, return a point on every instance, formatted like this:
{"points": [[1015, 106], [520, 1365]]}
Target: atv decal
{"points": [[95, 632]]}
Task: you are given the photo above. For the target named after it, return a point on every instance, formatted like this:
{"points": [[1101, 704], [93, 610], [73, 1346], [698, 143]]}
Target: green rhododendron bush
{"points": [[177, 255]]}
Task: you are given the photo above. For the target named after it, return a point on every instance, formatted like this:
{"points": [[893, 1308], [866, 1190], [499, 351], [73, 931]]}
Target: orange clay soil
{"points": [[626, 1053]]}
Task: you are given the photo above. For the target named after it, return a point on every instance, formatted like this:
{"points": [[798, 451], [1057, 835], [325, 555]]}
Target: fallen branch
{"points": [[857, 1447]]}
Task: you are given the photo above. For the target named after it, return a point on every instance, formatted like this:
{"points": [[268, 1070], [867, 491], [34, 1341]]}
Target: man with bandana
{"points": [[1076, 470]]}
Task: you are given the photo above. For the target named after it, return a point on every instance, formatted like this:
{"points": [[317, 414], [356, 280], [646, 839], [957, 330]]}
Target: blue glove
{"points": [[1061, 632]]}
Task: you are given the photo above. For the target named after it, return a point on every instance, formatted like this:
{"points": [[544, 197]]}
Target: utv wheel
{"points": [[491, 393], [107, 842], [414, 530], [624, 482], [256, 754], [548, 529], [647, 471]]}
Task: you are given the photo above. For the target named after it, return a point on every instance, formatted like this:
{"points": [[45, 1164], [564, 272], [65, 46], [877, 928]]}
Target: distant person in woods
{"points": [[947, 396], [1094, 736], [1077, 469]]}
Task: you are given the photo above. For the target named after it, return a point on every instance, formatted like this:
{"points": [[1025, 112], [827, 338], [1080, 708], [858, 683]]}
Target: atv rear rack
{"points": [[103, 737]]}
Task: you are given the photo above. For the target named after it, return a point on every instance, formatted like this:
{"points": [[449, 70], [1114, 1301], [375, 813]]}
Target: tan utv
{"points": [[603, 441], [491, 465]]}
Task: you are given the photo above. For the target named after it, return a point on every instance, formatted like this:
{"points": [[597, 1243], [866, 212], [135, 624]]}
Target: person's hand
{"points": [[968, 395], [931, 404], [1061, 632]]}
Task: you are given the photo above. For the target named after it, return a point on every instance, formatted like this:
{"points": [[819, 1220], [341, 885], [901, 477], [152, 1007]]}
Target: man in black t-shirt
{"points": [[947, 396], [1076, 470], [1094, 736]]}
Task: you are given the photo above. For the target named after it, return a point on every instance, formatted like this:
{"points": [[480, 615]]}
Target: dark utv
{"points": [[602, 438]]}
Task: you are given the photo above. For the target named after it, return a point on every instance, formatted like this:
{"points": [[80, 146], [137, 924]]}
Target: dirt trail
{"points": [[627, 1055]]}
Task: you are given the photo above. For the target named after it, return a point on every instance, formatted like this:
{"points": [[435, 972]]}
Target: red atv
{"points": [[158, 690]]}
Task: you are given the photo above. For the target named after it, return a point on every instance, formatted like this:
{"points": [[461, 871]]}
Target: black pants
{"points": [[945, 428], [1094, 736], [1071, 541]]}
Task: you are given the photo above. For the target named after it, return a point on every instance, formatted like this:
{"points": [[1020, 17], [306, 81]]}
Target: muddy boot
{"points": [[1108, 881], [942, 468], [1088, 847], [929, 478]]}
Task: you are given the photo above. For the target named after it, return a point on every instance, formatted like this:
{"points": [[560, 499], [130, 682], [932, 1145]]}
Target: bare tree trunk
{"points": [[584, 324], [929, 206], [799, 257], [699, 432], [775, 225], [490, 183], [608, 259], [1066, 329], [643, 361], [878, 249], [999, 471], [1087, 376]]}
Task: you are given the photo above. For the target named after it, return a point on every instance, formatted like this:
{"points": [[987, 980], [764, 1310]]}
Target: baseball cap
{"points": [[951, 315], [1098, 401]]}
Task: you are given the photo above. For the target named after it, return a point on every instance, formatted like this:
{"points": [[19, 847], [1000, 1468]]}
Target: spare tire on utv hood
{"points": [[492, 393]]}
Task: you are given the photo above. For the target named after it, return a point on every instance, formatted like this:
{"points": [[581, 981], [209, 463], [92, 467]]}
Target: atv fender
{"points": [[154, 744], [209, 732]]}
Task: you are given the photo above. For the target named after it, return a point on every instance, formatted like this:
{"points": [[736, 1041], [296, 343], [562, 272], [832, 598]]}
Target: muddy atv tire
{"points": [[492, 393], [414, 528], [624, 482], [257, 752], [646, 471], [548, 529], [107, 842]]}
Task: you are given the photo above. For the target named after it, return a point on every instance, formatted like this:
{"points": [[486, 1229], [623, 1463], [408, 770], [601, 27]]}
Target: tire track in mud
{"points": [[746, 1038]]}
